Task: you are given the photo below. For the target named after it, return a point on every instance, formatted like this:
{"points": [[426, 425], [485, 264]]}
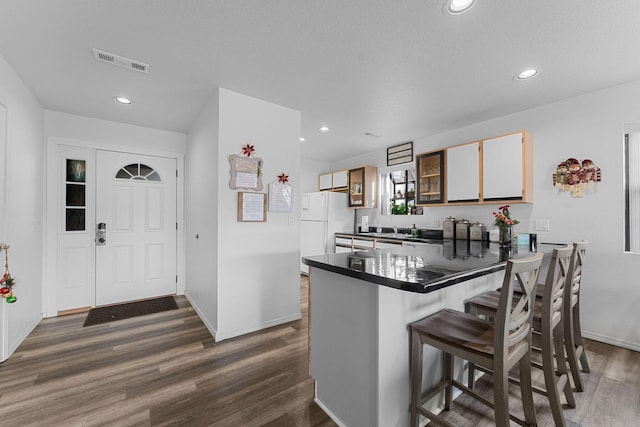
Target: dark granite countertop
{"points": [[425, 268]]}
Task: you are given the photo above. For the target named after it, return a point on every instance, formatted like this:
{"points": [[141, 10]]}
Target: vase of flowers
{"points": [[504, 222]]}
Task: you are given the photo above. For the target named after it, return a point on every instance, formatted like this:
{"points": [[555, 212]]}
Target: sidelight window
{"points": [[632, 191], [75, 195]]}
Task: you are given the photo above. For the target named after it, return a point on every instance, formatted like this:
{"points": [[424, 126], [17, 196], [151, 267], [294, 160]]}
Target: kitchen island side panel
{"points": [[397, 309], [360, 345], [343, 346]]}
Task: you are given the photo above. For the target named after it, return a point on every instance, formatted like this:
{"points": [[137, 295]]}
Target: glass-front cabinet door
{"points": [[356, 188], [430, 178]]}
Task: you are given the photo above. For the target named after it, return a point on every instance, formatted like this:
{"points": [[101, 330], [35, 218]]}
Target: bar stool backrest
{"points": [[577, 261], [553, 297], [513, 321]]}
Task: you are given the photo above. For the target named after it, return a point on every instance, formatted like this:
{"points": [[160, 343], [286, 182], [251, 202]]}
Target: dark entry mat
{"points": [[130, 309]]}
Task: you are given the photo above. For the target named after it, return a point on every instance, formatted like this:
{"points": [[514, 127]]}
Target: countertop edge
{"points": [[421, 288]]}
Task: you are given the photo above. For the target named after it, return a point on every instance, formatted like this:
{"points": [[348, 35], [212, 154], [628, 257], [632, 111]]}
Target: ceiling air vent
{"points": [[121, 61]]}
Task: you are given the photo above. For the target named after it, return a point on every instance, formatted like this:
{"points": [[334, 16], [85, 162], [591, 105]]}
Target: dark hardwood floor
{"points": [[611, 397], [164, 369]]}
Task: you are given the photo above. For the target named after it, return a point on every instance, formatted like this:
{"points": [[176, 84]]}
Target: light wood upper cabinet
{"points": [[334, 181], [430, 175], [493, 170], [463, 173], [362, 187], [507, 172]]}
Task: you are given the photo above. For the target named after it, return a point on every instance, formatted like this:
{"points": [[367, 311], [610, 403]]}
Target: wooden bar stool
{"points": [[547, 330], [573, 332], [574, 345], [497, 346]]}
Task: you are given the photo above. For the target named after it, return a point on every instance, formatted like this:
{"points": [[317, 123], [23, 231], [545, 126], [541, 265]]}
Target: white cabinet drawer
{"points": [[384, 245], [363, 244]]}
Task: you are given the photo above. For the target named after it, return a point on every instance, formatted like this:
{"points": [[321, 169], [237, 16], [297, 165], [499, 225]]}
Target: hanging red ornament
{"points": [[248, 149], [283, 178], [7, 282]]}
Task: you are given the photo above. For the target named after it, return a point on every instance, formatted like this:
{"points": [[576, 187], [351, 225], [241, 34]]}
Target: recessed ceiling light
{"points": [[122, 100], [324, 129], [457, 7], [302, 139], [526, 74]]}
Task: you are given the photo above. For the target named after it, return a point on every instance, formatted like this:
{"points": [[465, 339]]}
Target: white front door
{"points": [[136, 202]]}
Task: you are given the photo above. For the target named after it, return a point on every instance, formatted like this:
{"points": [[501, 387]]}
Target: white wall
{"points": [[309, 174], [120, 135], [250, 281], [202, 214], [589, 126], [23, 170]]}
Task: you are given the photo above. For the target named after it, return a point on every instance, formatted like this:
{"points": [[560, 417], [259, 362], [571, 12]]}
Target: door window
{"points": [[138, 172]]}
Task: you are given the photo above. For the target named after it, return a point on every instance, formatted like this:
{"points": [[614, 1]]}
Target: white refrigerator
{"points": [[324, 213]]}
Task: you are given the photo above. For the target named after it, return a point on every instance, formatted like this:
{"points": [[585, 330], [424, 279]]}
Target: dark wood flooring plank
{"points": [[160, 369], [166, 370]]}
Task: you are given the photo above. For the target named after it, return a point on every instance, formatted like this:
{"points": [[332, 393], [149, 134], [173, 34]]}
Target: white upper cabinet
{"points": [[340, 179], [463, 173], [336, 181], [506, 168], [325, 181]]}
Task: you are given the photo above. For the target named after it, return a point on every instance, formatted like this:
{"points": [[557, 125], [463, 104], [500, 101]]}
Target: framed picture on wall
{"points": [[246, 173]]}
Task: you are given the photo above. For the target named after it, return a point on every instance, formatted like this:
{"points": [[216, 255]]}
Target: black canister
{"points": [[533, 242]]}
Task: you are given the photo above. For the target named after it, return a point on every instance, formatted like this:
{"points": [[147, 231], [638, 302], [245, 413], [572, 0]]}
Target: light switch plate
{"points": [[542, 224]]}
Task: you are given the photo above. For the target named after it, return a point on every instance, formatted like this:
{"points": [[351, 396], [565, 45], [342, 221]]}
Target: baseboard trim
{"points": [[202, 317], [223, 335], [22, 337], [328, 412], [613, 341]]}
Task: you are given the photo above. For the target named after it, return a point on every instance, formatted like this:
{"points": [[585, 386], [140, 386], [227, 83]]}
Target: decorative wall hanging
{"points": [[398, 154], [7, 282], [246, 171], [281, 194], [252, 207], [571, 175]]}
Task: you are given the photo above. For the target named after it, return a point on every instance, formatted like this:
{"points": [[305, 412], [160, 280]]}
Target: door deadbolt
{"points": [[101, 234]]}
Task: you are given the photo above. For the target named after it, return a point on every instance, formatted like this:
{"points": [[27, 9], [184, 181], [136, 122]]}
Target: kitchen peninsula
{"points": [[360, 306]]}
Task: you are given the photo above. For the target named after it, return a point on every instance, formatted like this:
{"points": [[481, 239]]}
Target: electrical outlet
{"points": [[542, 224]]}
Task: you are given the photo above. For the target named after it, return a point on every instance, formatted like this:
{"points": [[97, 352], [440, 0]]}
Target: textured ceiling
{"points": [[397, 69]]}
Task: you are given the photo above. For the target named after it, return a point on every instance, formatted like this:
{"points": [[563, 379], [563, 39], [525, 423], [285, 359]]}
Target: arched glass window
{"points": [[138, 172]]}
